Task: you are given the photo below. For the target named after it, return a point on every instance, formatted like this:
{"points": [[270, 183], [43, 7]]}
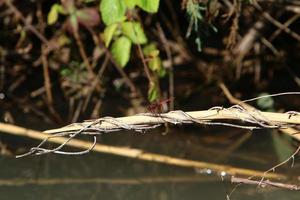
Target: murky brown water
{"points": [[103, 176]]}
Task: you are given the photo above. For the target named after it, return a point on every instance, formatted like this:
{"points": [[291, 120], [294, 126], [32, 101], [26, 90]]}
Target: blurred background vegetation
{"points": [[69, 60]]}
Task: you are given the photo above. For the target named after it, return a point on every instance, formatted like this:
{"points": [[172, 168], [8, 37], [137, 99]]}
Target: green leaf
{"points": [[155, 65], [265, 102], [130, 3], [121, 50], [154, 53], [162, 72], [150, 6], [63, 40], [65, 72], [112, 11], [151, 50], [53, 14], [108, 33], [153, 93], [135, 32], [60, 9]]}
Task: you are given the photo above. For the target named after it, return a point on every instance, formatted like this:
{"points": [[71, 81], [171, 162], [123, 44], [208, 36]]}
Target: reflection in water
{"points": [[103, 176]]}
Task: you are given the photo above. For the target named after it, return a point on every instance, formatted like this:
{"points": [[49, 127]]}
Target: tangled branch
{"points": [[234, 116]]}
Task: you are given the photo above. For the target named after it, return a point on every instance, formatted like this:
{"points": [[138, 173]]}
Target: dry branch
{"points": [[147, 120], [248, 118]]}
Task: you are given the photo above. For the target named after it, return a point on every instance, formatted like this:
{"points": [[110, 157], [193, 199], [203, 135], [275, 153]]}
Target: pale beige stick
{"points": [[136, 153], [206, 115], [290, 131]]}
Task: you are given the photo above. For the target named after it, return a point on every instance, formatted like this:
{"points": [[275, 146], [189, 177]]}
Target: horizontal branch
{"points": [[255, 117]]}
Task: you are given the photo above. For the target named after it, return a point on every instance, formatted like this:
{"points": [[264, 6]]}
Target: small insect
{"points": [[157, 106]]}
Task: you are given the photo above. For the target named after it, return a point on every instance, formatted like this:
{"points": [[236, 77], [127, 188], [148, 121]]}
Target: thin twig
{"points": [[276, 22], [170, 68], [265, 183], [280, 164], [83, 53], [47, 81], [127, 80], [272, 95], [18, 14], [141, 54], [286, 24]]}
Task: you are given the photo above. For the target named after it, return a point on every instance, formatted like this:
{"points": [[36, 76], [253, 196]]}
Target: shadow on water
{"points": [[103, 176]]}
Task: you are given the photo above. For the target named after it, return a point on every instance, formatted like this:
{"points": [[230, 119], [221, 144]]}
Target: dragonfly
{"points": [[157, 106]]}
